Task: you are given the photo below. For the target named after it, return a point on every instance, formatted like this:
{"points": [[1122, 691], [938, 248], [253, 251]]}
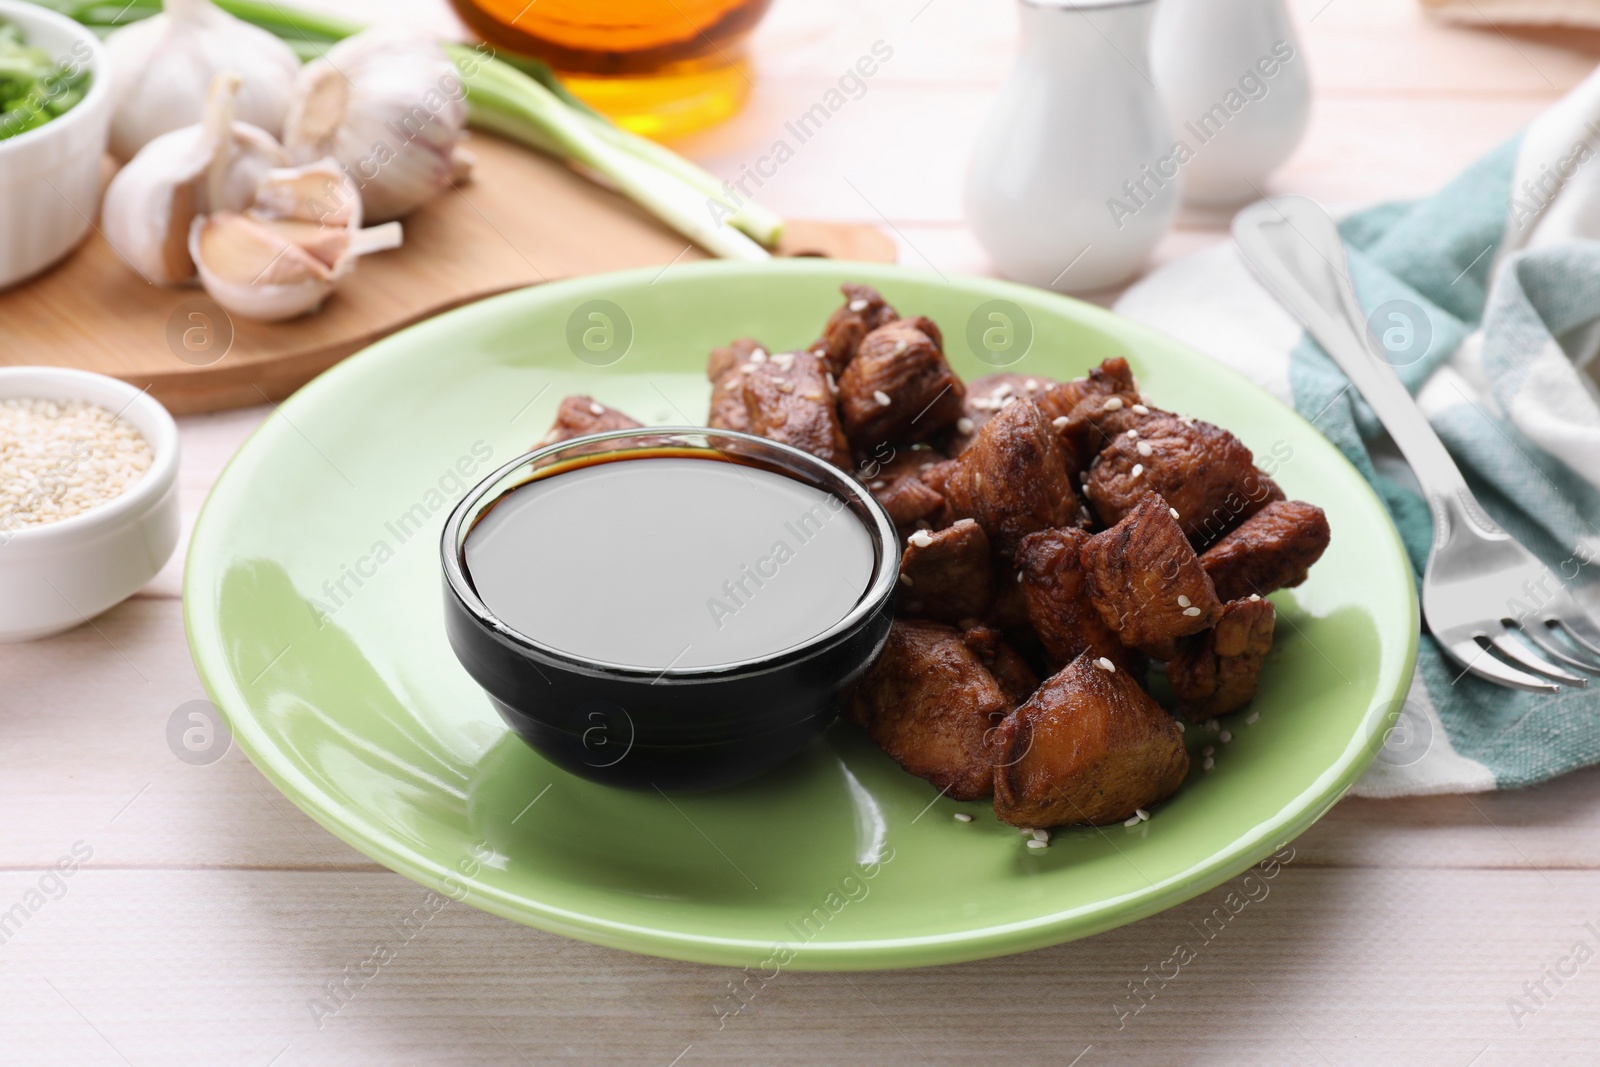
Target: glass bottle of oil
{"points": [[661, 68]]}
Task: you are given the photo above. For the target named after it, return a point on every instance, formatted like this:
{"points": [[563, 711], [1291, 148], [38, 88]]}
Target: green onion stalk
{"points": [[522, 99]]}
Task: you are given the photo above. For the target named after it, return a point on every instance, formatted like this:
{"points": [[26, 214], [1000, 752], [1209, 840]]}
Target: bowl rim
{"points": [[885, 570], [87, 109], [138, 498]]}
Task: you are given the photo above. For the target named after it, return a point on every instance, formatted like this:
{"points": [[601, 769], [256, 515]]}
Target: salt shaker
{"points": [[1073, 178], [1236, 89]]}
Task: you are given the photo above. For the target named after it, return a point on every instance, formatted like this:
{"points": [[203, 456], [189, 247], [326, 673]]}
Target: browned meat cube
{"points": [[1216, 673], [1089, 746], [1016, 679], [1272, 550], [786, 398], [899, 486], [1203, 471], [1146, 581], [1059, 609], [899, 388], [946, 574], [863, 311], [929, 702], [579, 415], [987, 395], [725, 369], [1013, 479], [1108, 392]]}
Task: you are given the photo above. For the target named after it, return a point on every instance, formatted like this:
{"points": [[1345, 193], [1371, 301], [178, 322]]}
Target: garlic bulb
{"points": [[214, 166], [161, 68], [390, 107], [283, 256]]}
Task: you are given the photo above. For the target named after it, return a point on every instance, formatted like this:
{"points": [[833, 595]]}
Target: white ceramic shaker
{"points": [[1235, 84], [1072, 180]]}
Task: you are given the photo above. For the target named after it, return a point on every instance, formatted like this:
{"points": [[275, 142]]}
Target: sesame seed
{"points": [[922, 539], [1024, 831], [1038, 844], [1181, 728], [879, 485], [1040, 835], [1003, 389], [977, 480], [758, 356], [905, 579], [963, 425], [596, 409], [1143, 815], [1059, 422], [833, 386], [1106, 665], [899, 347], [1208, 764], [1132, 820], [1225, 737], [882, 398], [785, 386], [1255, 596], [1019, 577], [1140, 409], [858, 305], [1183, 601], [921, 447], [1192, 612], [1006, 400], [962, 816], [1211, 724], [1207, 751], [1033, 385], [1145, 449], [966, 522], [1114, 404], [785, 361], [1173, 512], [1138, 469], [1133, 435], [1249, 720]]}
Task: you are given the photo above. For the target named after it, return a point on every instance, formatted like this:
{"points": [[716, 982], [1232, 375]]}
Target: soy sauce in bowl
{"points": [[676, 609]]}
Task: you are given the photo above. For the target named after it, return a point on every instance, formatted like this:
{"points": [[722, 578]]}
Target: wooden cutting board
{"points": [[521, 220]]}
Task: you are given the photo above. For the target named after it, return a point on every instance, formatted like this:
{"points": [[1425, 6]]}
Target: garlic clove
{"points": [[389, 106], [151, 203], [324, 242], [161, 67], [318, 192], [254, 272]]}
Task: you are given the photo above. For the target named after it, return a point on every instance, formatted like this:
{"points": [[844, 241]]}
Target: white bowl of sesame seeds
{"points": [[88, 496]]}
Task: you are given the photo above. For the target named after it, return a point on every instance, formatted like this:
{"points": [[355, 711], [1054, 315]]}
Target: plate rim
{"points": [[1268, 835]]}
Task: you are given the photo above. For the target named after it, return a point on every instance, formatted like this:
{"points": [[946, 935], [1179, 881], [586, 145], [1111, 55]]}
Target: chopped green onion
{"points": [[33, 87]]}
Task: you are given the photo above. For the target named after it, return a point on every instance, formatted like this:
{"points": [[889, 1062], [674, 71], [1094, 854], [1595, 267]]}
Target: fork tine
{"points": [[1512, 650], [1539, 634], [1581, 629], [1475, 658]]}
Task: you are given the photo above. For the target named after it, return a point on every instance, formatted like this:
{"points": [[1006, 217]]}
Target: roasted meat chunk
{"points": [[1204, 472], [899, 387], [1013, 479], [1059, 609], [929, 702], [1216, 673], [1273, 549], [946, 574], [987, 395], [726, 369], [1010, 669], [899, 484], [786, 398], [1146, 581], [1089, 746], [1108, 392], [579, 415], [863, 311]]}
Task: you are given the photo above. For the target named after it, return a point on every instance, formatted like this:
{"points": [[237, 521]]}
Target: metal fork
{"points": [[1480, 583]]}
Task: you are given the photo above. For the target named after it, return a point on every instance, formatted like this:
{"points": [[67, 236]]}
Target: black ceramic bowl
{"points": [[683, 728]]}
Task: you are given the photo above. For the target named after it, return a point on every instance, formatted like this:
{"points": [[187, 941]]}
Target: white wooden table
{"points": [[210, 911]]}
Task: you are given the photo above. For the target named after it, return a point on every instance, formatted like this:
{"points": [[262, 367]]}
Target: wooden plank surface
{"points": [[212, 912]]}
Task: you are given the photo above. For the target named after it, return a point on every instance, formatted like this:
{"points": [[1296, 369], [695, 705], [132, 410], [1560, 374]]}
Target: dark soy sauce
{"points": [[669, 561]]}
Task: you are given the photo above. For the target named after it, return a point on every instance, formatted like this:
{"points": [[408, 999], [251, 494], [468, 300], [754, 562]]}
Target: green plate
{"points": [[314, 609]]}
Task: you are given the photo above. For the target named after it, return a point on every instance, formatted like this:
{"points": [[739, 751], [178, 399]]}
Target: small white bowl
{"points": [[50, 176], [61, 574]]}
